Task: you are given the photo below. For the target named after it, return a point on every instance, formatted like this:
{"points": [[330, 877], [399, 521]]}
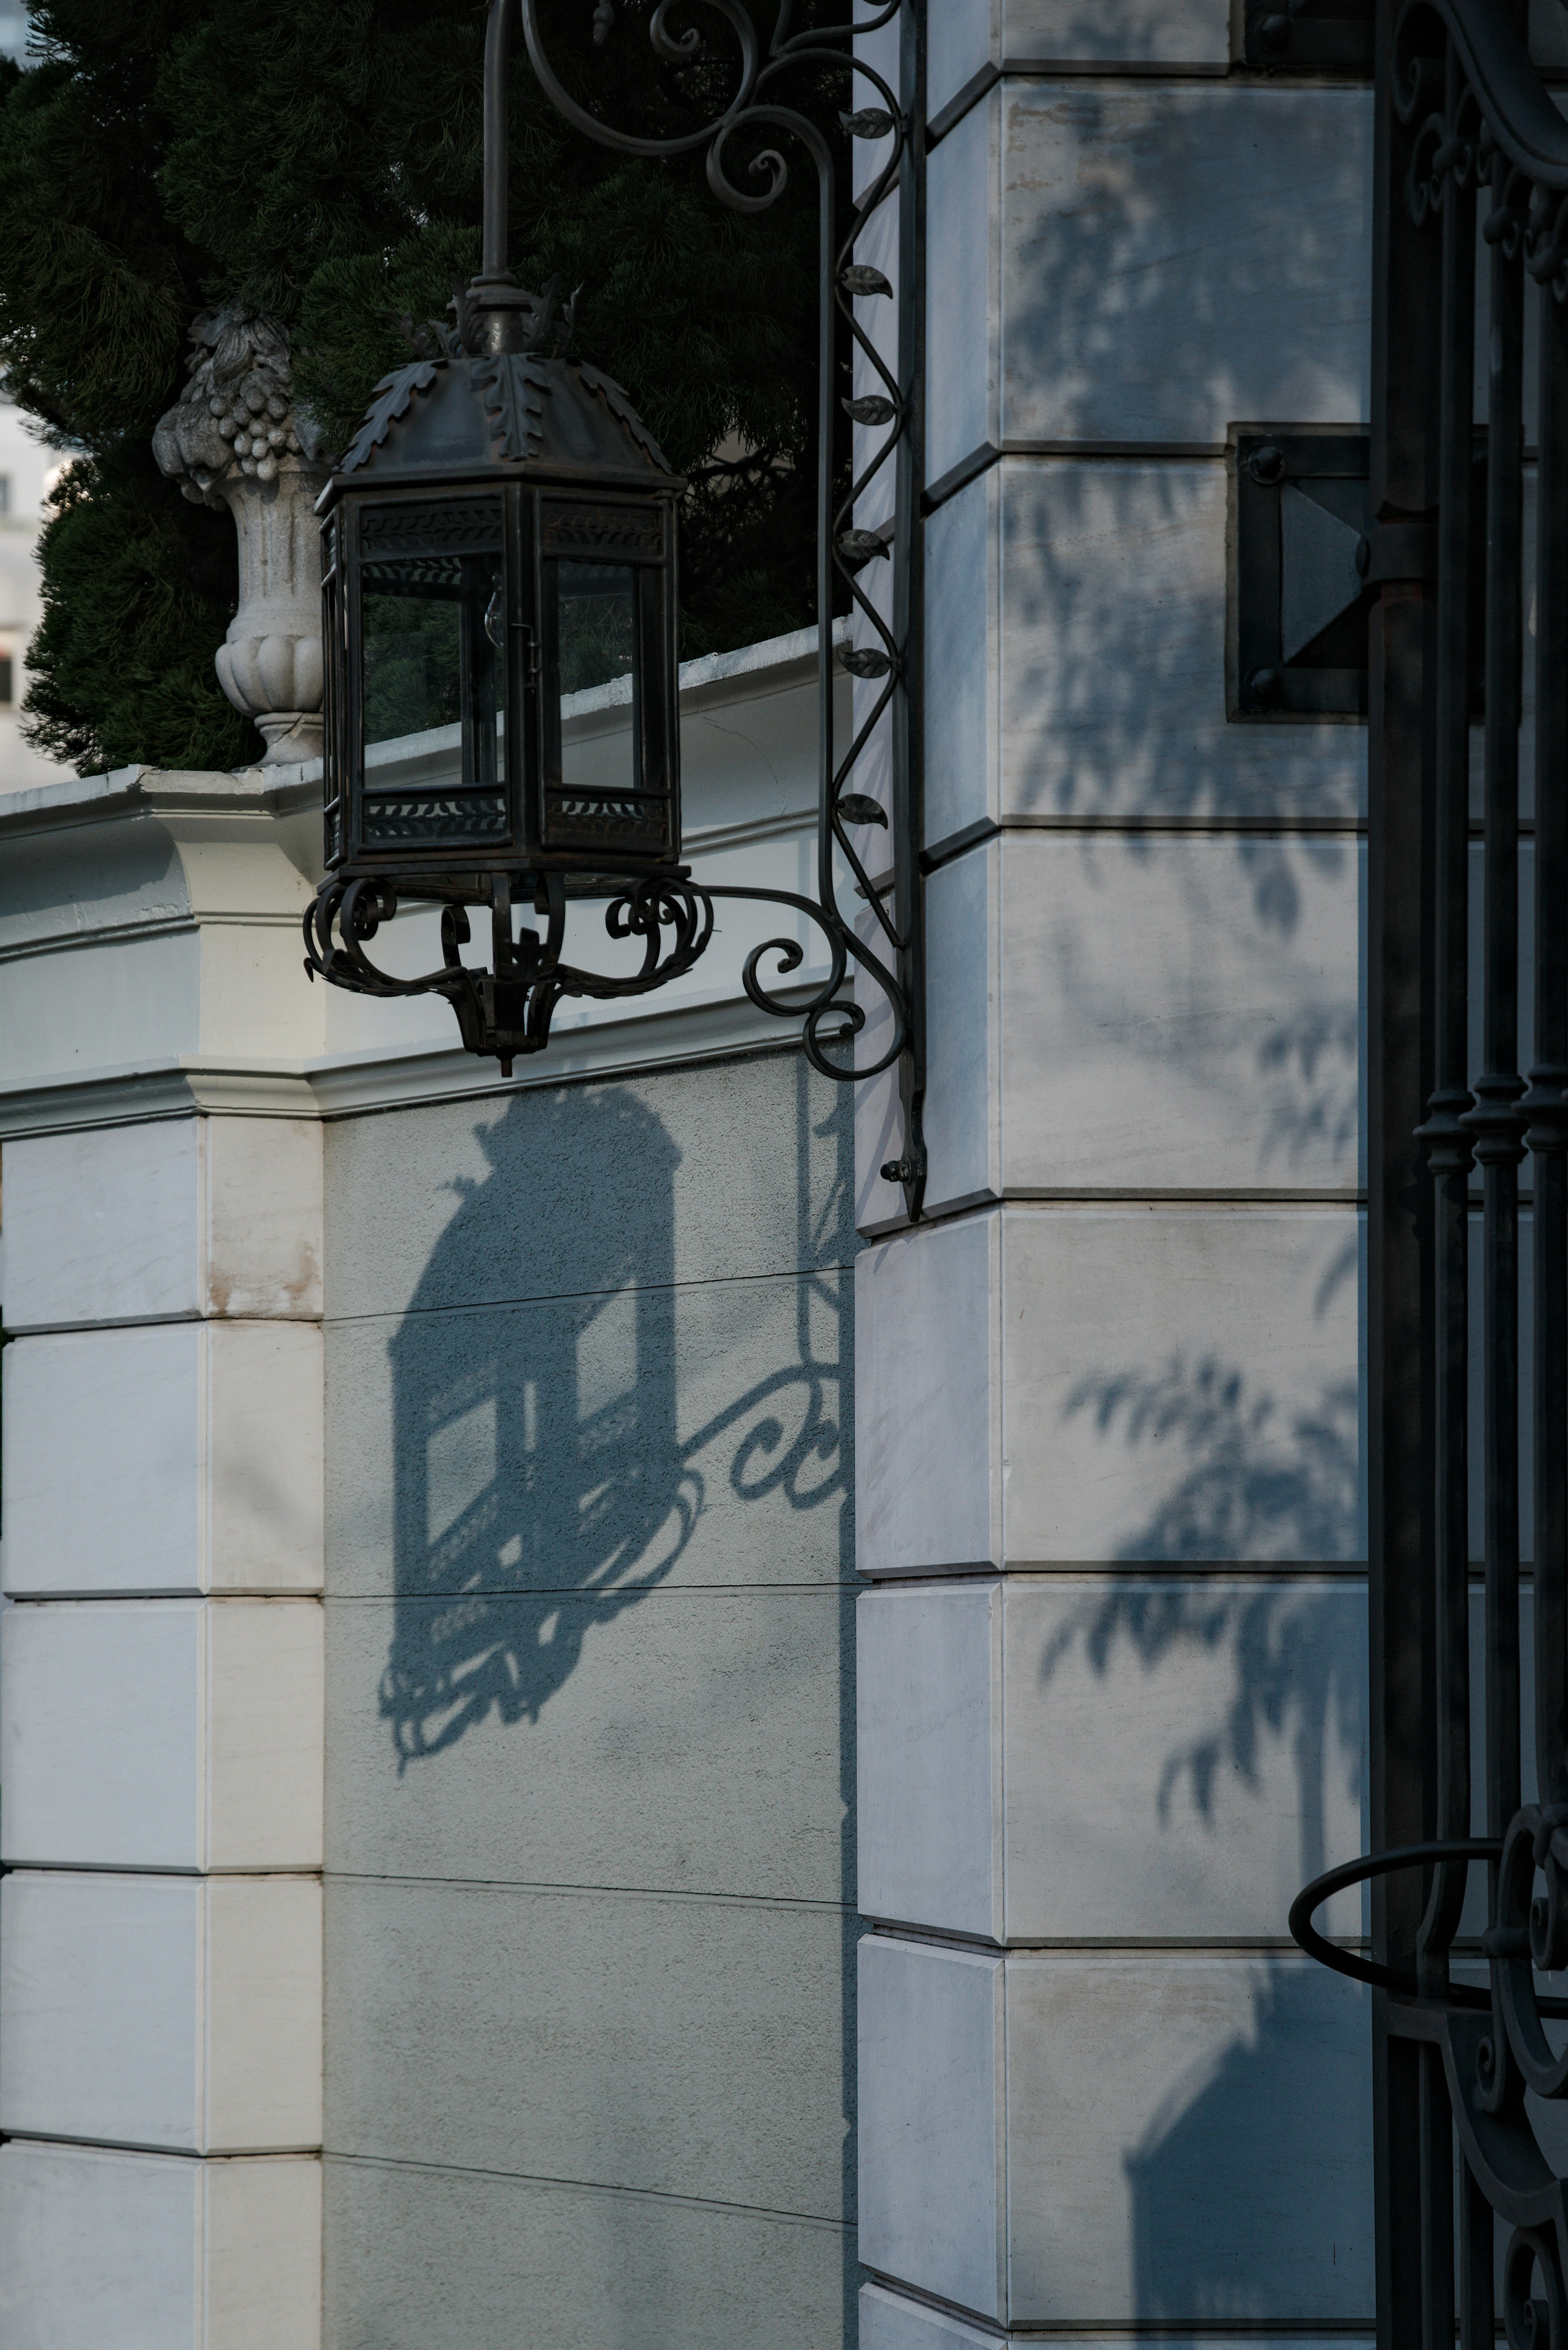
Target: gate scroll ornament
{"points": [[507, 1010], [1467, 139]]}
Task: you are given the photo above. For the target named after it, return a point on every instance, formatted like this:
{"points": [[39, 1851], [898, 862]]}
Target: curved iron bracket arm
{"points": [[887, 661]]}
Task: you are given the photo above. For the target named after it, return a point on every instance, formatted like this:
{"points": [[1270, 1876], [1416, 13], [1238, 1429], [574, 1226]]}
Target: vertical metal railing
{"points": [[1471, 163]]}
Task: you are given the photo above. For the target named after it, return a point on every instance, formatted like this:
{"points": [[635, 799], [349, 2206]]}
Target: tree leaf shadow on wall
{"points": [[1211, 2242], [1252, 1486], [545, 1483], [1127, 319], [1143, 307]]}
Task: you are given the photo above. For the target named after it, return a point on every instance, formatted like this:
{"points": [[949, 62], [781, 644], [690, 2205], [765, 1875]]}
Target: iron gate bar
{"points": [[1546, 1102], [1464, 122]]}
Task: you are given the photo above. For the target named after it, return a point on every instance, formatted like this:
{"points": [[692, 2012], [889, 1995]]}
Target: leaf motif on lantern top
{"points": [[388, 401], [616, 401], [514, 388]]}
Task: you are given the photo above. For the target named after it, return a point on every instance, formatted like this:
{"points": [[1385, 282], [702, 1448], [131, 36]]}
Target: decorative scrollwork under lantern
{"points": [[502, 534]]}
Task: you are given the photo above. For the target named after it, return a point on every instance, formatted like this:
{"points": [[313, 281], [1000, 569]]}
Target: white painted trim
{"points": [[154, 791]]}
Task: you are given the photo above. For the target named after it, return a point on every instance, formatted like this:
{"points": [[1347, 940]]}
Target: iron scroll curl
{"points": [[1491, 2045], [509, 1011]]}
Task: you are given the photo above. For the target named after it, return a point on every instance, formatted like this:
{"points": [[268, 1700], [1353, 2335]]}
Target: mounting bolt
{"points": [[900, 1171], [1267, 465], [1263, 685]]}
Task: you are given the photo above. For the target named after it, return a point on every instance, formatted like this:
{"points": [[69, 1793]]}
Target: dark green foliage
{"points": [[139, 587], [322, 158]]}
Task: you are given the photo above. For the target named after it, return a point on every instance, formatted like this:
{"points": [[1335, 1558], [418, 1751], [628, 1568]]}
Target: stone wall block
{"points": [[1188, 2136], [927, 1418], [878, 1108], [1111, 1384], [931, 2121], [176, 1734], [1075, 665], [1181, 1386], [964, 588], [177, 2013], [423, 2255], [1131, 32], [595, 2036], [145, 2252], [1122, 316], [889, 2321], [1175, 1015], [1180, 1756], [929, 1741], [963, 373], [467, 1448], [174, 1219], [176, 1457], [728, 1700], [967, 983], [961, 40], [1134, 1016]]}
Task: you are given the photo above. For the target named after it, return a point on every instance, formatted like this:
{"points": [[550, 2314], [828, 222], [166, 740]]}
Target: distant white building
{"points": [[27, 470]]}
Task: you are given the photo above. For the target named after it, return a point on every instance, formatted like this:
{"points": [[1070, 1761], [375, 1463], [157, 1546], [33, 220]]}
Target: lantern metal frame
{"points": [[507, 1010]]}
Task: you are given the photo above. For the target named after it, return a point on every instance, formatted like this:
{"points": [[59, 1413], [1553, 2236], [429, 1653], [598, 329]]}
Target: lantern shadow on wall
{"points": [[545, 1482]]}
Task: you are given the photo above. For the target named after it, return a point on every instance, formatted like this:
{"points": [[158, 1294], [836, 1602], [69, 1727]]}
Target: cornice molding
{"points": [[155, 792], [352, 1085]]}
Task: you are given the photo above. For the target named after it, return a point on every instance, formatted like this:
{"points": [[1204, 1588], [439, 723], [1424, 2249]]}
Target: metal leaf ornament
{"points": [[514, 388], [390, 401], [616, 401]]}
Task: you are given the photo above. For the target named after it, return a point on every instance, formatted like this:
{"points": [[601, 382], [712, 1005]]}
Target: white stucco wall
{"points": [[536, 1979]]}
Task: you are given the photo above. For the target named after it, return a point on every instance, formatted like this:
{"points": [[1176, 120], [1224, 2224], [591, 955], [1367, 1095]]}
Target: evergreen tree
{"points": [[321, 159]]}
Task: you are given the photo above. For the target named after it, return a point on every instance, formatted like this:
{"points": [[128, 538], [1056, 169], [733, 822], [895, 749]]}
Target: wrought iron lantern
{"points": [[499, 537]]}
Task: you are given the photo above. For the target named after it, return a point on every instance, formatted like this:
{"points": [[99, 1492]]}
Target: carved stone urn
{"points": [[235, 435]]}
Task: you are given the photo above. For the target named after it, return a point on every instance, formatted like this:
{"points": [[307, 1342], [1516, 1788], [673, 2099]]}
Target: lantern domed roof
{"points": [[487, 395]]}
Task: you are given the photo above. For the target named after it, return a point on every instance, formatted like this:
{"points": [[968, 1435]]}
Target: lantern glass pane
{"points": [[597, 620], [432, 628], [432, 638]]}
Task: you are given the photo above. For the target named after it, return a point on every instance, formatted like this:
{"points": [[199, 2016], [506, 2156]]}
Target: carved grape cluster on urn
{"points": [[237, 437]]}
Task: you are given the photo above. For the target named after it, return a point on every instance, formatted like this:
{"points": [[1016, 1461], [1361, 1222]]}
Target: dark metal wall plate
{"points": [[1309, 37], [1298, 601]]}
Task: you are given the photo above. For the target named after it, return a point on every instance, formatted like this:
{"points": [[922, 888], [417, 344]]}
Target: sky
{"points": [[13, 28]]}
